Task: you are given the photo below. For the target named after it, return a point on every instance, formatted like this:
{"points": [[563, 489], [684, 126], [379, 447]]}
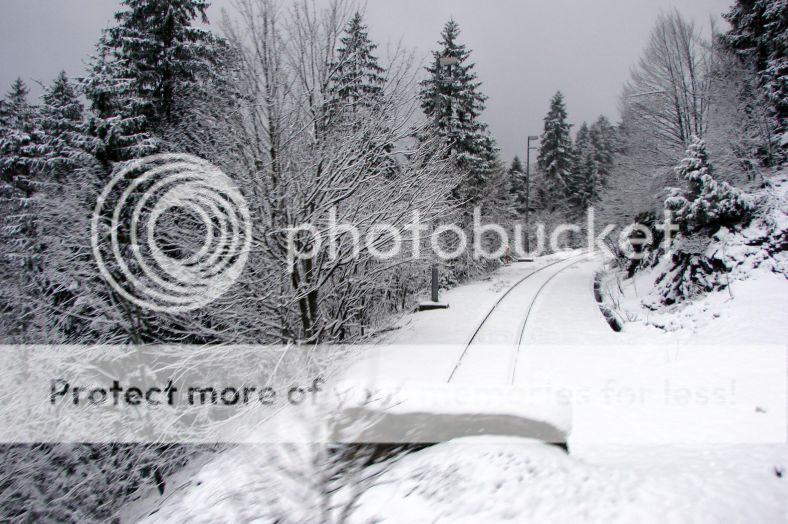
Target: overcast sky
{"points": [[524, 50]]}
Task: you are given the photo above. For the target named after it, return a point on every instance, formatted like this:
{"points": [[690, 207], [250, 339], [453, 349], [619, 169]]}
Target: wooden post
{"points": [[434, 283]]}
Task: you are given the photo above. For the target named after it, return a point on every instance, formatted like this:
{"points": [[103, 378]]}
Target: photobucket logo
{"points": [[171, 232], [449, 241]]}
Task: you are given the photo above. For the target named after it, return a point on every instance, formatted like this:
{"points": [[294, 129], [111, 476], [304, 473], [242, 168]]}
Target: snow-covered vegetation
{"points": [[314, 122]]}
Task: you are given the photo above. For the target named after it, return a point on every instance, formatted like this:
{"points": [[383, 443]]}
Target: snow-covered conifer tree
{"points": [[708, 204], [68, 287], [358, 77], [556, 154], [19, 141], [20, 185], [582, 188], [67, 143], [603, 139], [451, 94], [143, 65], [356, 88], [760, 37], [452, 99]]}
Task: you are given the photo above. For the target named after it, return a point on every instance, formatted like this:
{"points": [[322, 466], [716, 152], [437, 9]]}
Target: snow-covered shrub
{"points": [[81, 482], [695, 267], [708, 205]]}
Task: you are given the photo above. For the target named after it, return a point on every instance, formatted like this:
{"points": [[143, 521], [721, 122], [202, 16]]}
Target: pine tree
{"points": [[20, 185], [517, 183], [604, 143], [143, 67], [582, 188], [759, 36], [708, 204], [452, 99], [358, 78], [67, 145], [555, 158]]}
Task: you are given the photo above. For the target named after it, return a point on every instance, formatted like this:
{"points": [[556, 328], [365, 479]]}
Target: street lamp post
{"points": [[447, 62], [528, 190]]}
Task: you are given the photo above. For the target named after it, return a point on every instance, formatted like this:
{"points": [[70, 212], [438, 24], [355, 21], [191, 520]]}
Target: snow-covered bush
{"points": [[708, 204], [703, 209], [81, 482], [693, 269]]}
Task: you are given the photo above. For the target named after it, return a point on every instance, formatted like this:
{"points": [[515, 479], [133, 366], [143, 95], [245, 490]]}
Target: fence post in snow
{"points": [[434, 283]]}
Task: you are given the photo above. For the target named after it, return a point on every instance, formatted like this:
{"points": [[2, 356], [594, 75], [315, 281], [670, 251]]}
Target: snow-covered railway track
{"points": [[519, 344], [488, 357]]}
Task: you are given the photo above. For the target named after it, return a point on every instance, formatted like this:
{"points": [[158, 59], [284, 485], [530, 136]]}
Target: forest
{"points": [[313, 121]]}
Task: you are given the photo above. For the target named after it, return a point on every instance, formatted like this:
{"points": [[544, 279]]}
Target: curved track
{"points": [[496, 307], [527, 316]]}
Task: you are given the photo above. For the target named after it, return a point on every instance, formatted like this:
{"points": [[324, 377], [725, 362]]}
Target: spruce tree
{"points": [[356, 93], [583, 180], [604, 143], [555, 158], [121, 124], [67, 145], [20, 150], [516, 171], [700, 211], [20, 187], [759, 36], [593, 157], [144, 66], [68, 288], [357, 77], [452, 99], [708, 203], [20, 142], [517, 186]]}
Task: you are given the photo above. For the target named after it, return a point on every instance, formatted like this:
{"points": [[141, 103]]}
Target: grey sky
{"points": [[525, 50]]}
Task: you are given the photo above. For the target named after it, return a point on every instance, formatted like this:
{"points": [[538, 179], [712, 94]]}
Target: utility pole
{"points": [[447, 62], [528, 190]]}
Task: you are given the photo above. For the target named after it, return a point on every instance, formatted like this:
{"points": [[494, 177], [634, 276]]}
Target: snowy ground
{"points": [[632, 458], [512, 480]]}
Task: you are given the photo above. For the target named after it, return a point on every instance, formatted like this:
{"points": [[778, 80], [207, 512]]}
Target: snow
{"points": [[753, 307], [635, 459], [640, 449], [514, 480], [469, 303]]}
